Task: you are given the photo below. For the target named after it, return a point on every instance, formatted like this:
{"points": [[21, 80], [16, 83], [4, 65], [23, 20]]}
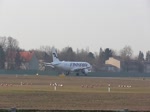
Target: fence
{"points": [[91, 74]]}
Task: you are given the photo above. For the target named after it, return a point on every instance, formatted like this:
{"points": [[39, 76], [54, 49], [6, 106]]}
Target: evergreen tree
{"points": [[148, 56], [140, 62], [91, 55], [107, 53], [141, 56], [2, 58], [104, 55]]}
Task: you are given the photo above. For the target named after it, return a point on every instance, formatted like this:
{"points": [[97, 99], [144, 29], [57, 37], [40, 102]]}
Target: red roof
{"points": [[26, 55]]}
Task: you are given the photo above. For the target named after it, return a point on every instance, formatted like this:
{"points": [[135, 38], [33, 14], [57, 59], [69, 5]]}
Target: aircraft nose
{"points": [[90, 66]]}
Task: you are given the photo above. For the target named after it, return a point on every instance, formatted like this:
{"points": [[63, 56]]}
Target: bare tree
{"points": [[3, 42], [68, 54], [46, 49], [12, 47], [45, 53], [12, 43], [82, 55], [126, 52]]}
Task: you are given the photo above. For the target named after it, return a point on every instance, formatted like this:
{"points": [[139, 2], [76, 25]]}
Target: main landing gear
{"points": [[67, 73], [77, 74]]}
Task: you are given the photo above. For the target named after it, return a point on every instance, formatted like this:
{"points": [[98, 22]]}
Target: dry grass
{"points": [[73, 96]]}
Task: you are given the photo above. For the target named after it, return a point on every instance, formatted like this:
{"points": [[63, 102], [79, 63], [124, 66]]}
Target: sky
{"points": [[81, 24]]}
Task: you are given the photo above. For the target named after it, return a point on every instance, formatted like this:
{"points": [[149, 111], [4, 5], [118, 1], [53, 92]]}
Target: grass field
{"points": [[74, 93]]}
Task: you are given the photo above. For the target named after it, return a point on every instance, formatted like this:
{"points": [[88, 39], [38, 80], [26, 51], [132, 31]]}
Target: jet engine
{"points": [[85, 71]]}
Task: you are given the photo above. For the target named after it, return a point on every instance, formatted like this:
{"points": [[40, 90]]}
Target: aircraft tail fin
{"points": [[54, 55]]}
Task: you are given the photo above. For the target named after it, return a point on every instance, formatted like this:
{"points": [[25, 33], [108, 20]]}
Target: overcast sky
{"points": [[77, 23]]}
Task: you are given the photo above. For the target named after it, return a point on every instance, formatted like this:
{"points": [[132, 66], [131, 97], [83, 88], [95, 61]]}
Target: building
{"points": [[118, 65], [113, 64], [131, 66], [147, 67], [30, 62]]}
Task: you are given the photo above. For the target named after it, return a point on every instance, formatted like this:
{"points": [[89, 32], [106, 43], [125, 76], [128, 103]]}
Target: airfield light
{"points": [[108, 87]]}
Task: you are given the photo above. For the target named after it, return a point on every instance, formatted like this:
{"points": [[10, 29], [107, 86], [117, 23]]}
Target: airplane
{"points": [[69, 66]]}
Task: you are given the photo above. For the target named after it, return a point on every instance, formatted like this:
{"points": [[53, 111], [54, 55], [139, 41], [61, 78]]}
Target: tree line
{"points": [[10, 47]]}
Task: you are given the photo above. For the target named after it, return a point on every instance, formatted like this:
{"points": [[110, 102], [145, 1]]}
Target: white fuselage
{"points": [[71, 66]]}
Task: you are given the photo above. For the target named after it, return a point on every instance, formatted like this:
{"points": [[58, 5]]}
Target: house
{"points": [[30, 62], [113, 64], [109, 68], [131, 66], [147, 67], [120, 65]]}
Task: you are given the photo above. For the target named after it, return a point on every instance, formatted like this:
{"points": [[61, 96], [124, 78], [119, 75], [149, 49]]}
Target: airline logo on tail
{"points": [[55, 55]]}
